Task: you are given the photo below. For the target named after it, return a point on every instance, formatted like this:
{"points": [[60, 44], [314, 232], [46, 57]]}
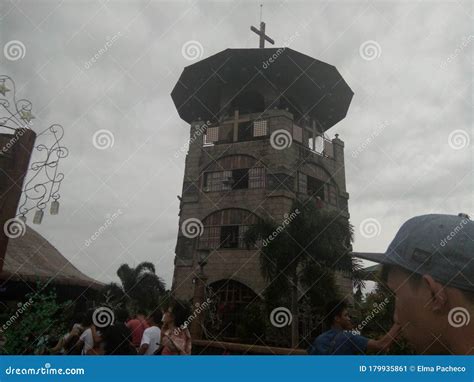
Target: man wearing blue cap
{"points": [[429, 266]]}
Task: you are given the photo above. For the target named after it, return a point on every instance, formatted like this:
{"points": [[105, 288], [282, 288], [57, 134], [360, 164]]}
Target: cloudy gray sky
{"points": [[408, 132]]}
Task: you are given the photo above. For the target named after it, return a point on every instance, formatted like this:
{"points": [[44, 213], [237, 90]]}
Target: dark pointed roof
{"points": [[314, 87], [32, 258]]}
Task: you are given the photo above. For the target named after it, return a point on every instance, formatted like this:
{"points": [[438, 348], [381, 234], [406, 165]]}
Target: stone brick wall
{"points": [[274, 201]]}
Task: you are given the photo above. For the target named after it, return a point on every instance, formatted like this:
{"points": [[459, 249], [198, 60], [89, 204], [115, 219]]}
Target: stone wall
{"points": [[274, 201]]}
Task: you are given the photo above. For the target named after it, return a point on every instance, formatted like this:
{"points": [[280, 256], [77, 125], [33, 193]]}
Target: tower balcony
{"points": [[263, 155], [275, 127]]}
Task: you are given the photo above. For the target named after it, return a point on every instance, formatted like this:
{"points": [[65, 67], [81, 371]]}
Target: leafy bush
{"points": [[35, 324], [376, 314]]}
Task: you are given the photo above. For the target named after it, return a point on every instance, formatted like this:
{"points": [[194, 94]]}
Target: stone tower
{"points": [[257, 120]]}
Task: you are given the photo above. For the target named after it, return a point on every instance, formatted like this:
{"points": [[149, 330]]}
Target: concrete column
{"points": [[200, 283]]}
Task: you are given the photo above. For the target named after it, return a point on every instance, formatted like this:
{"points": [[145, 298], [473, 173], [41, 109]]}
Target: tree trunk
{"points": [[294, 311]]}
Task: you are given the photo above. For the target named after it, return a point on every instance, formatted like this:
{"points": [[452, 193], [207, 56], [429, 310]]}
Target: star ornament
{"points": [[26, 115], [3, 89]]}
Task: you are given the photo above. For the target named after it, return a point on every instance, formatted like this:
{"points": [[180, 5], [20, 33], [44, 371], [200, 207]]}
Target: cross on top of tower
{"points": [[261, 32]]}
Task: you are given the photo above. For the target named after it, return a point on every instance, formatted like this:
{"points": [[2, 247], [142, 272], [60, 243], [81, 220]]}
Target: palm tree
{"points": [[304, 252], [141, 288]]}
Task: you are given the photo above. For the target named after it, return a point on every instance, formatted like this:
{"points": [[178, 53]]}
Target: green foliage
{"points": [[375, 315], [300, 255], [251, 324], [309, 246], [112, 295], [38, 320], [141, 289]]}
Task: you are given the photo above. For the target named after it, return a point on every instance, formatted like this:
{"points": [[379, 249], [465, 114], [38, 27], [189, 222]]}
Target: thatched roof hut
{"points": [[31, 258]]}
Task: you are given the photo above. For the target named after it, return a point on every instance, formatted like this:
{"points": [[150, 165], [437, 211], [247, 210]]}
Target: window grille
{"points": [[211, 136], [260, 128], [257, 177]]}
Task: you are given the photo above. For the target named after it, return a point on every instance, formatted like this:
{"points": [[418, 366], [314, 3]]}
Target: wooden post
{"points": [[294, 311], [16, 153]]}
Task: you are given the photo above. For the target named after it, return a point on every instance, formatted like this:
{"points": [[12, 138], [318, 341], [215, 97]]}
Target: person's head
{"points": [[429, 268], [141, 315], [176, 314], [428, 311], [337, 315], [154, 318]]}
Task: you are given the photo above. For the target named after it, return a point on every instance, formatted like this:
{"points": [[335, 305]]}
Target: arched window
{"points": [[229, 298], [226, 229], [233, 173], [314, 181]]}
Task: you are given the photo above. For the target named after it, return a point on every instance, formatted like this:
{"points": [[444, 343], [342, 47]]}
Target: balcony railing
{"points": [[258, 129]]}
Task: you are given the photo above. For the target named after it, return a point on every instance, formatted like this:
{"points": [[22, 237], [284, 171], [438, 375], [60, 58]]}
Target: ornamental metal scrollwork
{"points": [[17, 112], [43, 180]]}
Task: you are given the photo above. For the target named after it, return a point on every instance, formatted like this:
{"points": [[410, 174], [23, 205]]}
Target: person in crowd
{"points": [[151, 338], [176, 338], [118, 337], [90, 340], [429, 266], [340, 340], [66, 343], [137, 325]]}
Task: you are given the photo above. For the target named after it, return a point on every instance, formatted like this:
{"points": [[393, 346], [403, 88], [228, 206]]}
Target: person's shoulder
{"points": [[326, 334]]}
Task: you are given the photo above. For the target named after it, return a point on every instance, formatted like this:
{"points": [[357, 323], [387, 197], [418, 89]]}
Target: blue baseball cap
{"points": [[439, 245]]}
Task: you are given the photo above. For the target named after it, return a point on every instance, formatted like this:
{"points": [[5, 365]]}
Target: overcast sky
{"points": [[408, 133]]}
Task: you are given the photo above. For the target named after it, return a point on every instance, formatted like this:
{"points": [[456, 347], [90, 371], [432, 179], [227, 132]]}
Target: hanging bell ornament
{"points": [[54, 210], [22, 218], [38, 218]]}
